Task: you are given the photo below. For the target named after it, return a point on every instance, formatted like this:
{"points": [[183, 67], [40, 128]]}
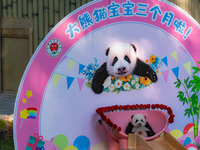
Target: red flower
{"points": [[112, 108], [145, 106], [148, 106], [109, 108], [165, 107], [119, 129], [161, 106], [133, 107], [128, 107], [121, 107], [125, 107], [153, 106], [115, 126], [136, 106], [169, 111], [103, 117], [141, 106], [171, 119], [108, 121], [157, 106], [99, 110], [116, 107]]}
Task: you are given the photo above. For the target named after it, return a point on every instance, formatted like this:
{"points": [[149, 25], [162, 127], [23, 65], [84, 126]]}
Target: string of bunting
{"points": [[175, 70]]}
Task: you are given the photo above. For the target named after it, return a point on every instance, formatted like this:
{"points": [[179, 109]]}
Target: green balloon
{"points": [[61, 141]]}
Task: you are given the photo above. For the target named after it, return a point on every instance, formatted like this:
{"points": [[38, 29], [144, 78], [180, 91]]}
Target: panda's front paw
{"points": [[152, 76]]}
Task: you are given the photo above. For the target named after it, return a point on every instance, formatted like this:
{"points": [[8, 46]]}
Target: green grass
{"points": [[6, 143]]}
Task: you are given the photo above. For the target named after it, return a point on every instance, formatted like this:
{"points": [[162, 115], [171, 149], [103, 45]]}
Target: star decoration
{"points": [[24, 114], [24, 100], [29, 93]]}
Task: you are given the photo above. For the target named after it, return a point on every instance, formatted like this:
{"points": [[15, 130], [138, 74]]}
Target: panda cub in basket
{"points": [[121, 61], [140, 126]]}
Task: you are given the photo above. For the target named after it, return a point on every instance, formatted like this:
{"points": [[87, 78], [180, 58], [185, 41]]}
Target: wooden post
{"points": [[56, 12], [30, 8], [51, 15], [25, 9], [9, 8], [14, 11], [62, 9], [1, 14], [4, 8], [67, 7]]}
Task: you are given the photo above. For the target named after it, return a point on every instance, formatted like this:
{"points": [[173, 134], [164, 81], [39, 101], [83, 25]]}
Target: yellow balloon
{"points": [[176, 133], [70, 148]]}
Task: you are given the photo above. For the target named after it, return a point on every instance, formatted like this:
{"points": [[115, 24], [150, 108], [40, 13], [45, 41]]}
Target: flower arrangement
{"points": [[107, 120], [126, 83]]}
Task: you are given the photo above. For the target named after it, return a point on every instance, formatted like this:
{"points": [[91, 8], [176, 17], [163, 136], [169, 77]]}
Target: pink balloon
{"points": [[49, 145]]}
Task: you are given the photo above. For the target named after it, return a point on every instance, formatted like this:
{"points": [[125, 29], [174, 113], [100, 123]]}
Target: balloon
{"points": [[187, 128], [60, 141], [49, 145], [82, 143], [176, 133], [191, 147], [70, 148]]}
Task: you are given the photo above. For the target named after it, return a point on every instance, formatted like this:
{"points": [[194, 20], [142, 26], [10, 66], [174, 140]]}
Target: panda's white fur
{"points": [[139, 123], [117, 54]]}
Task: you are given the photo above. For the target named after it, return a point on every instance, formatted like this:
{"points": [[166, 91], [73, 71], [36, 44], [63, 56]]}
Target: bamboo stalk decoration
{"points": [[14, 9], [51, 15], [24, 9], [35, 23], [56, 12], [19, 8], [40, 20], [30, 9], [46, 17], [62, 9], [4, 6], [67, 7]]}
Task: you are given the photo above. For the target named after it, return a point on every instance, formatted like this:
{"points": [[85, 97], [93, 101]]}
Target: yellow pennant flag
{"points": [[174, 55], [188, 67], [71, 64], [56, 78]]}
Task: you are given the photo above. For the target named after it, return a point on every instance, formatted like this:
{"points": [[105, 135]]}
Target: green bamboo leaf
{"points": [[198, 87], [185, 81], [196, 78], [188, 112], [194, 87], [198, 62], [193, 81], [196, 70], [195, 110], [189, 85]]}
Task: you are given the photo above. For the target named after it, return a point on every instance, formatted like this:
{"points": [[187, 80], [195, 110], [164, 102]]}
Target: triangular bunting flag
{"points": [[69, 81], [165, 75], [81, 67], [188, 67], [80, 83], [65, 57], [182, 49], [71, 64], [176, 71], [165, 61], [174, 55], [56, 78]]}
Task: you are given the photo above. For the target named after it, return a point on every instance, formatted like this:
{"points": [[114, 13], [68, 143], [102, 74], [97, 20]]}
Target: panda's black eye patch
{"points": [[142, 121], [136, 121], [114, 61], [127, 59]]}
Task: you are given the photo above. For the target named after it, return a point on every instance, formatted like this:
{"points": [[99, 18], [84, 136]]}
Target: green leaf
{"points": [[189, 85], [198, 87], [196, 78], [188, 112], [193, 81], [198, 62], [185, 81], [196, 70], [194, 87], [195, 110]]}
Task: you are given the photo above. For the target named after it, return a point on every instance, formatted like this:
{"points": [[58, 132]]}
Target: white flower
{"points": [[126, 87], [133, 82], [137, 86], [107, 82], [112, 87], [136, 79], [118, 83]]}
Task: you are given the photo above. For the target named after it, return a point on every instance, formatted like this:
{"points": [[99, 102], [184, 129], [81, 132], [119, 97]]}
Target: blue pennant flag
{"points": [[165, 61], [176, 71], [81, 67], [69, 81]]}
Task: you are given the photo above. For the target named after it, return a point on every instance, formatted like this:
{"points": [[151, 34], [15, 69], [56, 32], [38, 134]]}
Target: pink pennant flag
{"points": [[80, 83], [182, 49], [165, 75]]}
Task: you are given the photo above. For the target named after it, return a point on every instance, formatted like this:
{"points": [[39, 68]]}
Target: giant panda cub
{"points": [[121, 61], [140, 126]]}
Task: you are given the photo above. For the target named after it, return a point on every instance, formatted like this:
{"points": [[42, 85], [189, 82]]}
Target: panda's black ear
{"points": [[145, 117], [107, 51], [134, 47], [132, 116]]}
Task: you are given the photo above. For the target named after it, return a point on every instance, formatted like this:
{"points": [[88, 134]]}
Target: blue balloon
{"points": [[82, 143]]}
